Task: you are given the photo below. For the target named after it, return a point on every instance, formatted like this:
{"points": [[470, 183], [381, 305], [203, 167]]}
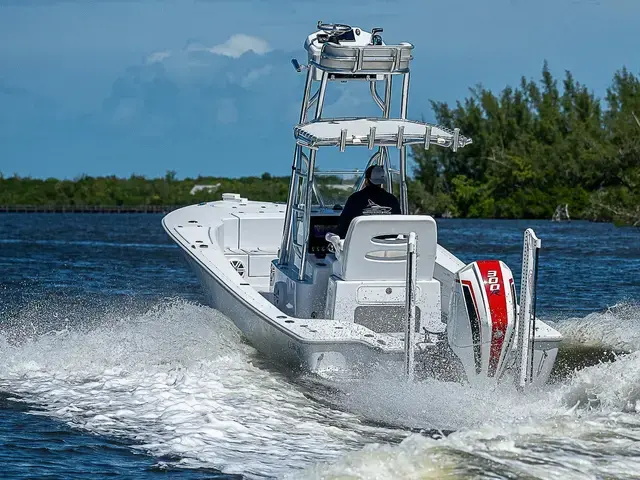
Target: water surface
{"points": [[111, 365]]}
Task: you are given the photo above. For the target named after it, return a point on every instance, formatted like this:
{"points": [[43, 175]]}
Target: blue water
{"points": [[65, 266], [77, 273]]}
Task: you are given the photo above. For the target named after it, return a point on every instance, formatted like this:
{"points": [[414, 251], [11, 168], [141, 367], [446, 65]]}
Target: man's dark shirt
{"points": [[371, 200]]}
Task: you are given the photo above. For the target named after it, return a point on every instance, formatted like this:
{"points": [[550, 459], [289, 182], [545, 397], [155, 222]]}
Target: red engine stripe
{"points": [[496, 295]]}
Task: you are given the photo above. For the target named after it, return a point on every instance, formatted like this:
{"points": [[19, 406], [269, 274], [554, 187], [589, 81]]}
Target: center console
{"points": [[319, 226]]}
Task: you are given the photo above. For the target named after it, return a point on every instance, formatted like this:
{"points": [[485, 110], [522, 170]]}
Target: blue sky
{"points": [[206, 87]]}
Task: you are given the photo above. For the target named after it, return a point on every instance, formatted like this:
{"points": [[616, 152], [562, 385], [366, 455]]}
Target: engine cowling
{"points": [[482, 318]]}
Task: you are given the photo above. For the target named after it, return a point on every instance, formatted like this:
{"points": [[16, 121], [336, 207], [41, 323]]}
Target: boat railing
{"points": [[369, 59]]}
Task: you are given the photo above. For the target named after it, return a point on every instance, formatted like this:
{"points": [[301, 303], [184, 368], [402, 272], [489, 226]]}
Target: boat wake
{"points": [[177, 380], [615, 328], [585, 426]]}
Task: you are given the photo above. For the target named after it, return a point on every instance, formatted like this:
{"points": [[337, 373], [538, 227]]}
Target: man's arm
{"points": [[395, 208], [345, 218]]}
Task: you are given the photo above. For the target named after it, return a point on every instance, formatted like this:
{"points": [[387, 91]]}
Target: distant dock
{"points": [[88, 208]]}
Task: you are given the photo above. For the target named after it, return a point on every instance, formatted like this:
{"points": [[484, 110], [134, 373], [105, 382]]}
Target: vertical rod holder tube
{"points": [[400, 140], [404, 202], [372, 138], [410, 307], [343, 139], [427, 137]]}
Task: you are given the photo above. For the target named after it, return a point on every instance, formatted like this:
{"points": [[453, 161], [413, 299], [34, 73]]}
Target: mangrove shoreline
{"points": [[535, 147]]}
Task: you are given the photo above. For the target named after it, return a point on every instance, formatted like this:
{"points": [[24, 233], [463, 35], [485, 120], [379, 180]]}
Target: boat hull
{"points": [[282, 347], [314, 344]]}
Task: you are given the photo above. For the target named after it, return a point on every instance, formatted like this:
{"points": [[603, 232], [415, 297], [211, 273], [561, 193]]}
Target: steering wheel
{"points": [[334, 27]]}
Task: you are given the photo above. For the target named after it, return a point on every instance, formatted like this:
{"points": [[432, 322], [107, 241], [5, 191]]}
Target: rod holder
{"points": [[400, 136], [410, 306], [343, 139], [456, 139], [427, 137]]}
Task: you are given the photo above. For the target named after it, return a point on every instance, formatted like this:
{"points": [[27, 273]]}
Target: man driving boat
{"points": [[371, 200]]}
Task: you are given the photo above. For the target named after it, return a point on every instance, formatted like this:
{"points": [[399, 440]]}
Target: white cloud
{"points": [[203, 88], [239, 44], [156, 57], [196, 60]]}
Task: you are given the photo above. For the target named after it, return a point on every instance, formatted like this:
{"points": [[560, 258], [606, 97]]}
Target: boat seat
{"points": [[368, 280], [375, 247]]}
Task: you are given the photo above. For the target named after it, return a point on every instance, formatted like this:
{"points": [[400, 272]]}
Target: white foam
{"points": [[618, 327], [180, 381], [608, 388], [586, 428], [562, 447], [432, 404]]}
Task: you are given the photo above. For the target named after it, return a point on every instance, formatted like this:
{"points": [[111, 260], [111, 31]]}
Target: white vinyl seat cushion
{"points": [[375, 247]]}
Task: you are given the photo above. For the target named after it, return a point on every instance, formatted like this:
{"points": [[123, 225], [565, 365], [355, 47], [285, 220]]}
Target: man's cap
{"points": [[375, 175]]}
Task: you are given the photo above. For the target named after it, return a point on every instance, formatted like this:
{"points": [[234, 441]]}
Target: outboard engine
{"points": [[482, 318]]}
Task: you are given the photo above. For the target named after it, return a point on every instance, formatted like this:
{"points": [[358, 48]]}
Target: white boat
{"points": [[387, 296]]}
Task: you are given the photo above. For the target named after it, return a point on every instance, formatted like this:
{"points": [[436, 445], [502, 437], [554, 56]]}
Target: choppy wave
{"points": [[586, 427], [589, 428], [568, 448], [177, 380], [618, 327], [598, 338]]}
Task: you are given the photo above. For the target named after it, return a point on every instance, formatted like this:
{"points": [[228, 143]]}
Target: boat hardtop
{"points": [[387, 295]]}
